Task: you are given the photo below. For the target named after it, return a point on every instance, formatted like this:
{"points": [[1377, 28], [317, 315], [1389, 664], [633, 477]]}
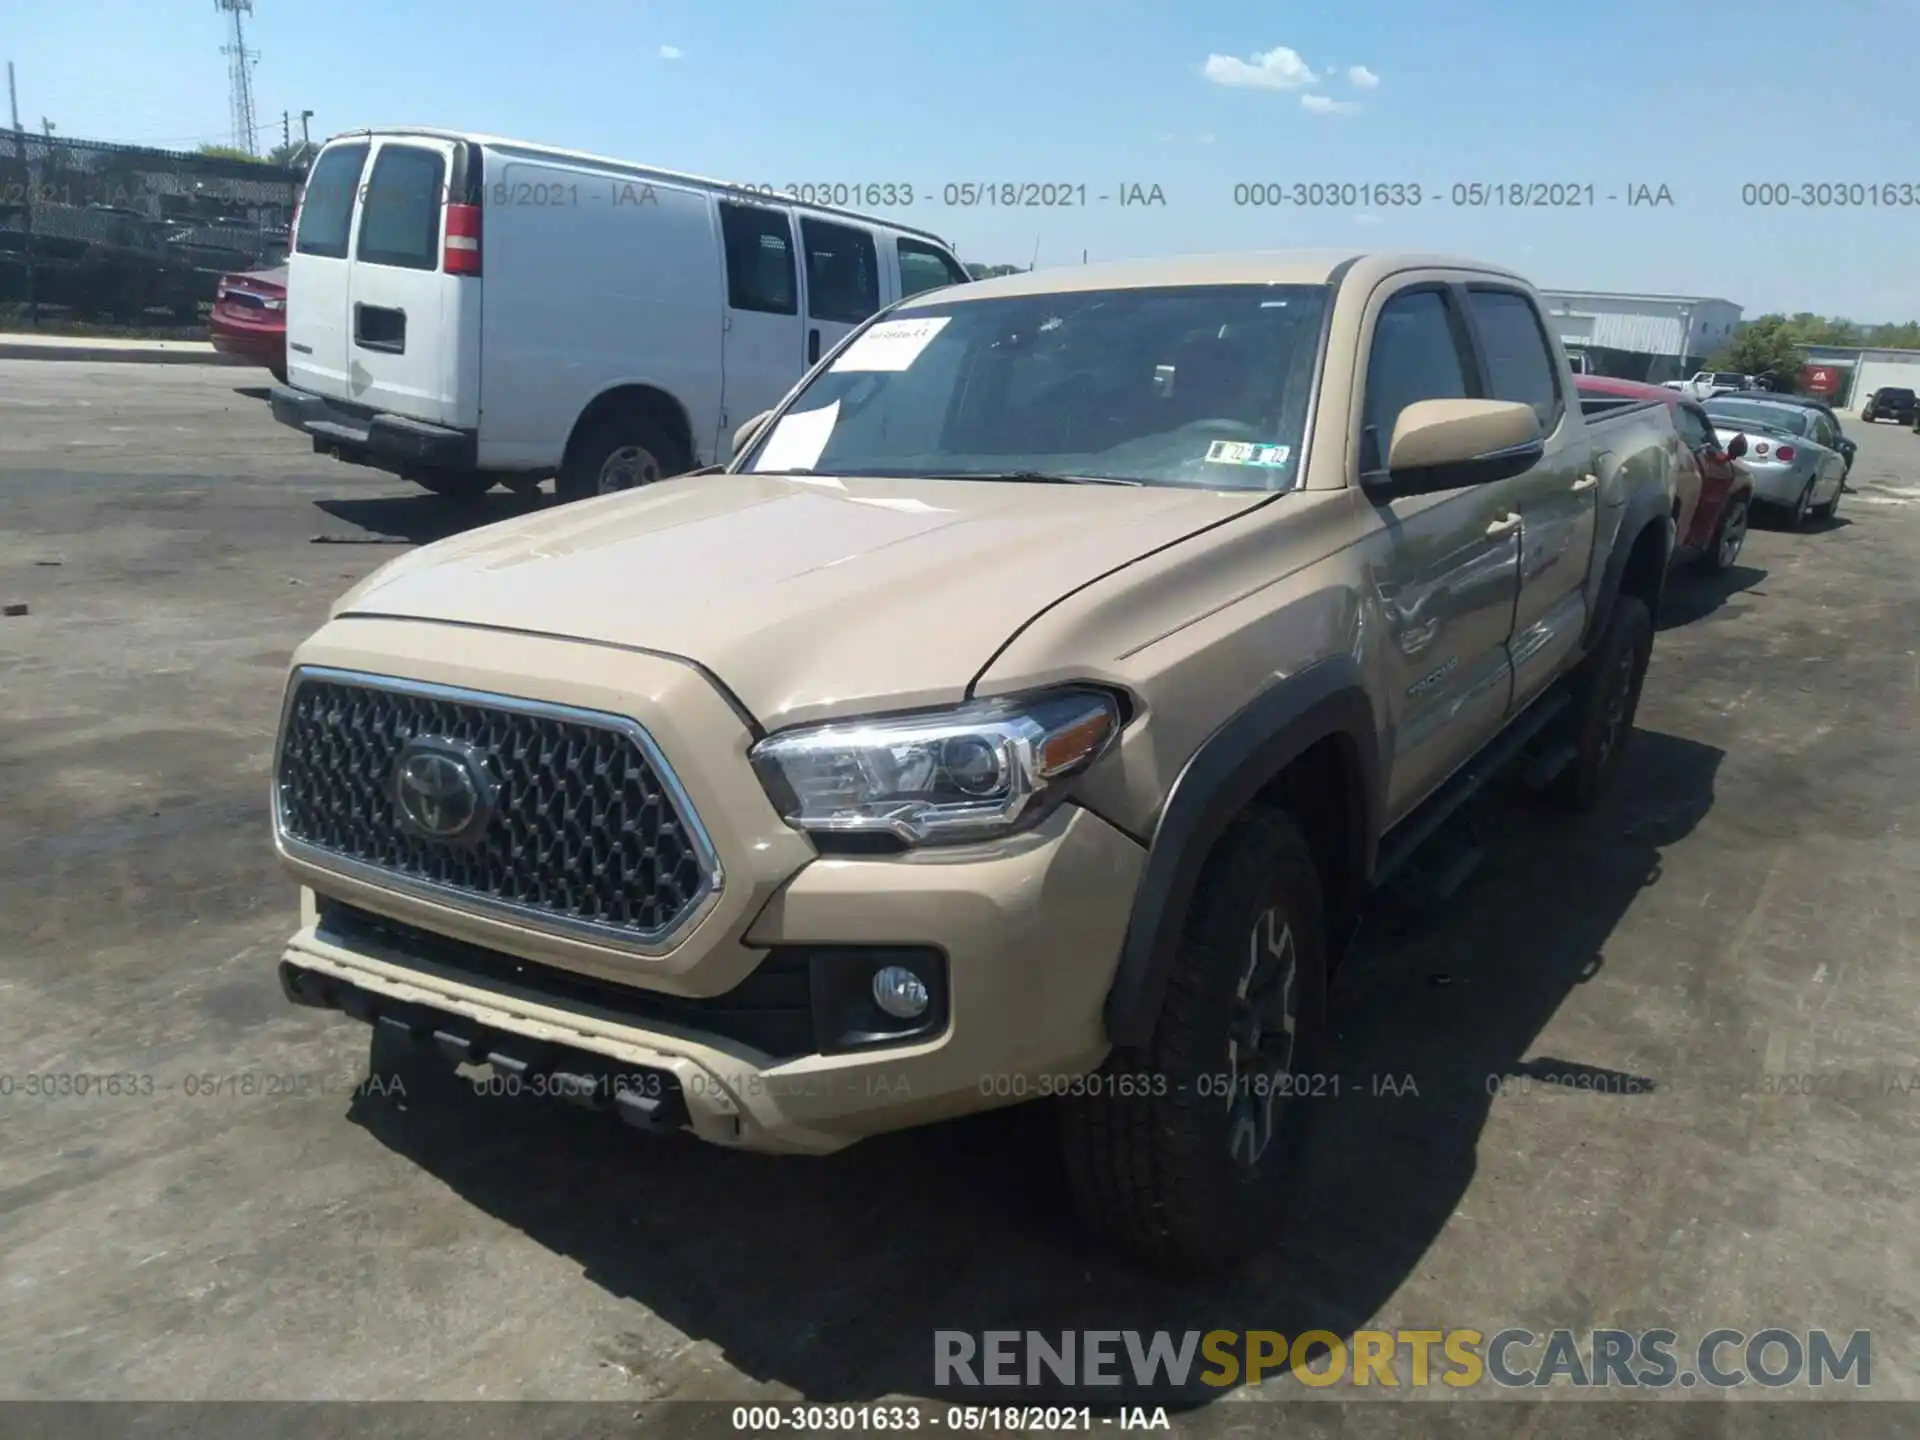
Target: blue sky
{"points": [[1112, 93]]}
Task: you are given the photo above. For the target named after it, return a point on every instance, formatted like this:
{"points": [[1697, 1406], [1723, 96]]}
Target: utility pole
{"points": [[26, 211], [47, 125], [13, 101], [286, 130]]}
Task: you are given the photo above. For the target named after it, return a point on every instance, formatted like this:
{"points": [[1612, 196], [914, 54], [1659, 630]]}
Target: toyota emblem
{"points": [[441, 790]]}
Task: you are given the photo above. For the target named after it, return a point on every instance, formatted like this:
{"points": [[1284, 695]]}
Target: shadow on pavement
{"points": [[1693, 594], [832, 1275], [423, 518]]}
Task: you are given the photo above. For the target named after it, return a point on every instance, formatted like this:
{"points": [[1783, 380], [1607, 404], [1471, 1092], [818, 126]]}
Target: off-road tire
{"points": [[1147, 1145], [461, 488], [1606, 695], [588, 456]]}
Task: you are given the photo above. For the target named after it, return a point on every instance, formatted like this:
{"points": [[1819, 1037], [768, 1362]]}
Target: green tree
{"points": [[228, 152], [1767, 346], [987, 272], [289, 156]]}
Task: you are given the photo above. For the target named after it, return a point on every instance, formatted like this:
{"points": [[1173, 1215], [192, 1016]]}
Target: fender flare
{"points": [[1218, 781], [1646, 506]]}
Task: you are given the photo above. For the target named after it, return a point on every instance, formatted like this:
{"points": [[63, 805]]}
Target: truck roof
{"points": [[1249, 267], [534, 150]]}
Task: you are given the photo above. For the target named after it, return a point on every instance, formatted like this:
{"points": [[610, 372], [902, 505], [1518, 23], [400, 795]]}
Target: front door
{"points": [[1557, 501], [402, 322], [764, 348], [843, 281], [1444, 569]]}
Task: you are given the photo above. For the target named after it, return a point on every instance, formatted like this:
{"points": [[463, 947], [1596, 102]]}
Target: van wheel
{"points": [[465, 489], [1606, 696], [1180, 1151], [621, 452]]}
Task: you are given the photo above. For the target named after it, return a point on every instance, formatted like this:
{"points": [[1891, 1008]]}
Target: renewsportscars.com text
{"points": [[1721, 1359]]}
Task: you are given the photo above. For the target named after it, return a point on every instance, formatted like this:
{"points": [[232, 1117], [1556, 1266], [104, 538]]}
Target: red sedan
{"points": [[249, 325], [1714, 494]]}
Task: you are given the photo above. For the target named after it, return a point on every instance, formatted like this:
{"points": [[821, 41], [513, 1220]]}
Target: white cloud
{"points": [[672, 52], [1327, 105], [1363, 78], [1276, 69]]}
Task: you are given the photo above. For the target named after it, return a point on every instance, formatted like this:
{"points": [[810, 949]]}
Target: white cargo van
{"points": [[465, 310]]}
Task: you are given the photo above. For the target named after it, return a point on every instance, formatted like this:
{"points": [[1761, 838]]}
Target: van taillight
{"points": [[463, 240]]}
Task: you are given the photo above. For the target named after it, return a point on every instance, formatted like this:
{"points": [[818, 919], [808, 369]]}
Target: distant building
{"points": [[1850, 373], [1642, 337]]}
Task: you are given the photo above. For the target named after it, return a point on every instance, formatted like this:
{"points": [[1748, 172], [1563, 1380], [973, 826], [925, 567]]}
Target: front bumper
{"points": [[385, 442], [1028, 931]]}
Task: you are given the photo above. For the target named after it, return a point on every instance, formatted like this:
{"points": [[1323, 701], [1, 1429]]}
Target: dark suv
{"points": [[1896, 404]]}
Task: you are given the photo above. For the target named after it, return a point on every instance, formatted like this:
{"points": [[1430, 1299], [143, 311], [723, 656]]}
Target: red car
{"points": [[1713, 494], [249, 325]]}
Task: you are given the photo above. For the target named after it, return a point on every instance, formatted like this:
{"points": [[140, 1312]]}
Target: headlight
{"points": [[968, 773]]}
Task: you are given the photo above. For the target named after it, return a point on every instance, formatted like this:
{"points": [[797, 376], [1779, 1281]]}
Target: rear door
{"points": [[317, 317], [843, 280], [402, 311], [765, 349], [1557, 500]]}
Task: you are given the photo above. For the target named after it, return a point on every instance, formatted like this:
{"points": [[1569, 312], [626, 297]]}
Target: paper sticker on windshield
{"points": [[1243, 452], [798, 440], [891, 345]]}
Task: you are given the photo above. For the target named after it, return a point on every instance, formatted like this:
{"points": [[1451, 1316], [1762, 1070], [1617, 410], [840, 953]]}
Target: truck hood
{"points": [[807, 597]]}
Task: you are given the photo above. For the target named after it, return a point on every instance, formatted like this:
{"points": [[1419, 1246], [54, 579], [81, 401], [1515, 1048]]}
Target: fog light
{"points": [[900, 992]]}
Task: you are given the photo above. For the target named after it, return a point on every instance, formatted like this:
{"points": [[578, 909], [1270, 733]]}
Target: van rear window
{"points": [[401, 221], [326, 206]]}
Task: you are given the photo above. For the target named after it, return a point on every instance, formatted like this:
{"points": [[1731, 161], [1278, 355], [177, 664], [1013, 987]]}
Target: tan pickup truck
{"points": [[1028, 710]]}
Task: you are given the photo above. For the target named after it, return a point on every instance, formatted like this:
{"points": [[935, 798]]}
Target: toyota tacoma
{"points": [[1029, 708]]}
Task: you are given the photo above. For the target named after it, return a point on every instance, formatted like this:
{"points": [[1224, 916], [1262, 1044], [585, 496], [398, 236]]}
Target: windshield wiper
{"points": [[1038, 477]]}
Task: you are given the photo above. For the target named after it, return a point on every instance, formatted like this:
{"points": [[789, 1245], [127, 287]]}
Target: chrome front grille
{"points": [[584, 829]]}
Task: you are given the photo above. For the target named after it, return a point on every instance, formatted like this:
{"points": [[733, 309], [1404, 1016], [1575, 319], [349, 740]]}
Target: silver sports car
{"points": [[1790, 454]]}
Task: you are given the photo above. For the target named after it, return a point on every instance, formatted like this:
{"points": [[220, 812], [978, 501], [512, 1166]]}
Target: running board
{"points": [[1400, 844]]}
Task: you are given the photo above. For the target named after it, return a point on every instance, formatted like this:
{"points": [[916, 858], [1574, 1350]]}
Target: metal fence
{"points": [[95, 236]]}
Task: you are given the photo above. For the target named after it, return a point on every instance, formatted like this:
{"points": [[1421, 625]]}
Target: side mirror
{"points": [[743, 437], [1736, 447], [1448, 444]]}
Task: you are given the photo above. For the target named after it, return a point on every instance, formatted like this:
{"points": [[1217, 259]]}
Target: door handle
{"points": [[1499, 529], [813, 347], [1584, 484]]}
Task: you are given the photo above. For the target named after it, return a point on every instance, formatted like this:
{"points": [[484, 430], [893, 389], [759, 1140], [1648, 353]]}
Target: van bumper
{"points": [[363, 437]]}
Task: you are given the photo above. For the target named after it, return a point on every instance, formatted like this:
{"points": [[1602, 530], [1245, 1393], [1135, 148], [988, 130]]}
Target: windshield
{"points": [[1791, 419], [1902, 396], [1204, 386]]}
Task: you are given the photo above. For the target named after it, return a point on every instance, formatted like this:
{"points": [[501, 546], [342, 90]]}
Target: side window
{"points": [[400, 224], [922, 267], [326, 205], [1693, 426], [1417, 354], [1823, 431], [1519, 363], [843, 271], [760, 273]]}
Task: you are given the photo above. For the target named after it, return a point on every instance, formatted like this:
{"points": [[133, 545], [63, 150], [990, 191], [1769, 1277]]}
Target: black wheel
{"points": [[1832, 507], [620, 452], [1728, 537], [1866, 416], [1802, 508], [1181, 1151], [461, 488], [1606, 695]]}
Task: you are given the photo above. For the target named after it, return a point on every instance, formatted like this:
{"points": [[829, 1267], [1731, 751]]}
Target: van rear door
{"points": [[317, 318], [404, 311]]}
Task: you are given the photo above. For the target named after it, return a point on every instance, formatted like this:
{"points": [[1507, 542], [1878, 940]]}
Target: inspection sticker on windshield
{"points": [[1243, 452], [891, 345]]}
